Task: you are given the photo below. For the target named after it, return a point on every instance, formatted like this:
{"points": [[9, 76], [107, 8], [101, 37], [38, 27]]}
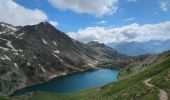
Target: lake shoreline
{"points": [[58, 76], [68, 75]]}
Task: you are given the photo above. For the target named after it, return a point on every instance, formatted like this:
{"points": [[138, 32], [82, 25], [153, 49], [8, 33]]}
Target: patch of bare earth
{"points": [[162, 94]]}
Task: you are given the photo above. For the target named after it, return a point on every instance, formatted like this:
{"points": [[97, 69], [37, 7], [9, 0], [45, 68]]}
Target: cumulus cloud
{"points": [[54, 23], [132, 32], [94, 7], [164, 5], [15, 14], [129, 19], [101, 22], [131, 0]]}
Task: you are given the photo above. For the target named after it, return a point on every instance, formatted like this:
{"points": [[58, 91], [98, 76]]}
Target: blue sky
{"points": [[77, 17], [141, 11]]}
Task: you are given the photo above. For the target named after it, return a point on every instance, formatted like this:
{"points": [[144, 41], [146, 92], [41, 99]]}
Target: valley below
{"points": [[39, 62], [145, 83]]}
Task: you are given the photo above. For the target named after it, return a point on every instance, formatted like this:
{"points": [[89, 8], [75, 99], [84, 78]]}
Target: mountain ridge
{"points": [[36, 53], [140, 48]]}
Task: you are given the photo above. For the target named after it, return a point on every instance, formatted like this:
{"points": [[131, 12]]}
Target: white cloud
{"points": [[164, 5], [94, 7], [15, 14], [54, 23], [132, 32], [101, 22], [131, 0], [129, 19]]}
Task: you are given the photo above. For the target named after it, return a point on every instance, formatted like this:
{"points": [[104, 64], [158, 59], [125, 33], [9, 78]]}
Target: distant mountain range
{"points": [[139, 48], [37, 53]]}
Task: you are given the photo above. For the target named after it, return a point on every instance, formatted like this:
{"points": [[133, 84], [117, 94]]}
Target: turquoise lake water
{"points": [[74, 82]]}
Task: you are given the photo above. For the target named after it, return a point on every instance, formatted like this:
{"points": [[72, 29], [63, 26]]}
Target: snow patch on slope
{"points": [[16, 53], [55, 43], [56, 51], [34, 57], [2, 58], [15, 64], [21, 34], [58, 57], [9, 27], [4, 49], [9, 44], [42, 68], [45, 42], [7, 58], [2, 32], [28, 63]]}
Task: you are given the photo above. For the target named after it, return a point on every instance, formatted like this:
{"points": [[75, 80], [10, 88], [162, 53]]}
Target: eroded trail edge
{"points": [[162, 93]]}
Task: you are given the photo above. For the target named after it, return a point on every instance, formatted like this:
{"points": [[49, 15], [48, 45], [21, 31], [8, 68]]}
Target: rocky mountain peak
{"points": [[44, 24], [41, 28], [41, 25], [96, 44]]}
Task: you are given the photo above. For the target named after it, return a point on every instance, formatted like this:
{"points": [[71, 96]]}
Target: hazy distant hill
{"points": [[139, 48]]}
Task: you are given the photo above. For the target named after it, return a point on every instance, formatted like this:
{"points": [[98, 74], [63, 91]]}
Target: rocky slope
{"points": [[105, 51], [148, 83], [37, 53]]}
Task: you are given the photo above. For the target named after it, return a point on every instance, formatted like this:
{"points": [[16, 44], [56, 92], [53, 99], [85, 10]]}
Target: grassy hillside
{"points": [[130, 88]]}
